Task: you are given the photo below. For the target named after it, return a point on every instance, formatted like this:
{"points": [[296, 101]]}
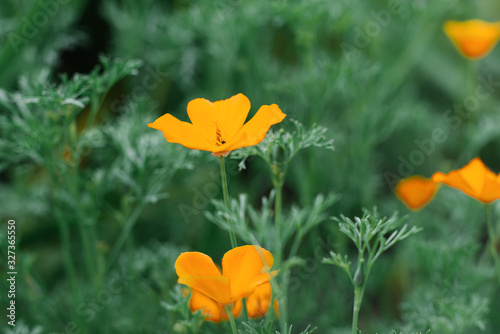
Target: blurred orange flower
{"points": [[244, 270], [474, 39], [416, 191], [219, 127], [474, 179]]}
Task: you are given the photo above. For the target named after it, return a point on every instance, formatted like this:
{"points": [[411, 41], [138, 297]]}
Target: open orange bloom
{"points": [[244, 270], [474, 39], [416, 191], [474, 179], [219, 127]]}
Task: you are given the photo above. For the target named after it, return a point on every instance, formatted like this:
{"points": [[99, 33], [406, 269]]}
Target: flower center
{"points": [[218, 140]]}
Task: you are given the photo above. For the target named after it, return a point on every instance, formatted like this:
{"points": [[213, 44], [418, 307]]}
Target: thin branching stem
{"points": [[124, 233], [70, 268], [358, 298], [232, 234], [278, 205]]}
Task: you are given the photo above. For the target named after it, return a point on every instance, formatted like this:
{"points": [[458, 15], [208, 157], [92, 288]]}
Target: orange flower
{"points": [[474, 39], [416, 191], [474, 179], [244, 270], [219, 127]]}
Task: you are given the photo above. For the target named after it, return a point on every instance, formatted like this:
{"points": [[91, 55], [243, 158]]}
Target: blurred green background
{"points": [[81, 79]]}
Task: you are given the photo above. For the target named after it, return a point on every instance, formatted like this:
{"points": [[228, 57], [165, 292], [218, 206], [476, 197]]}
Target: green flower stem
{"points": [[278, 172], [470, 122], [125, 232], [278, 204], [87, 251], [358, 298], [86, 231], [492, 237], [229, 311], [65, 236], [470, 77], [359, 282], [69, 267], [232, 234]]}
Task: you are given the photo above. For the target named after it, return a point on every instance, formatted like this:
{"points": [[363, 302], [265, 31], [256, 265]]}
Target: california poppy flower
{"points": [[244, 270], [474, 179], [219, 127], [416, 191], [474, 39]]}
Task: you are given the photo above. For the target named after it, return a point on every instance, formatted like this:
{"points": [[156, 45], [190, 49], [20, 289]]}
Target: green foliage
{"points": [[35, 115], [32, 40], [280, 147], [22, 328], [96, 194], [255, 226], [372, 236], [258, 328]]}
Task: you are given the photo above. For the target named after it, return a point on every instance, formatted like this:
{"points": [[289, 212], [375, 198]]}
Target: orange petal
{"points": [[416, 191], [195, 263], [214, 287], [237, 307], [258, 302], [231, 114], [211, 309], [246, 267], [176, 131], [199, 272], [474, 179], [204, 115], [255, 130], [474, 39]]}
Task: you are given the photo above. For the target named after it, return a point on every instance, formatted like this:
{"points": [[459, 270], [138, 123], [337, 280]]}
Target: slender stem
{"points": [[87, 250], [232, 234], [229, 312], [358, 298], [65, 236], [492, 237], [132, 219], [89, 244], [68, 264], [278, 205]]}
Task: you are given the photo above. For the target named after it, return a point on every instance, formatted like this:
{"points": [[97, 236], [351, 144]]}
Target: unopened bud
{"points": [[359, 276]]}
